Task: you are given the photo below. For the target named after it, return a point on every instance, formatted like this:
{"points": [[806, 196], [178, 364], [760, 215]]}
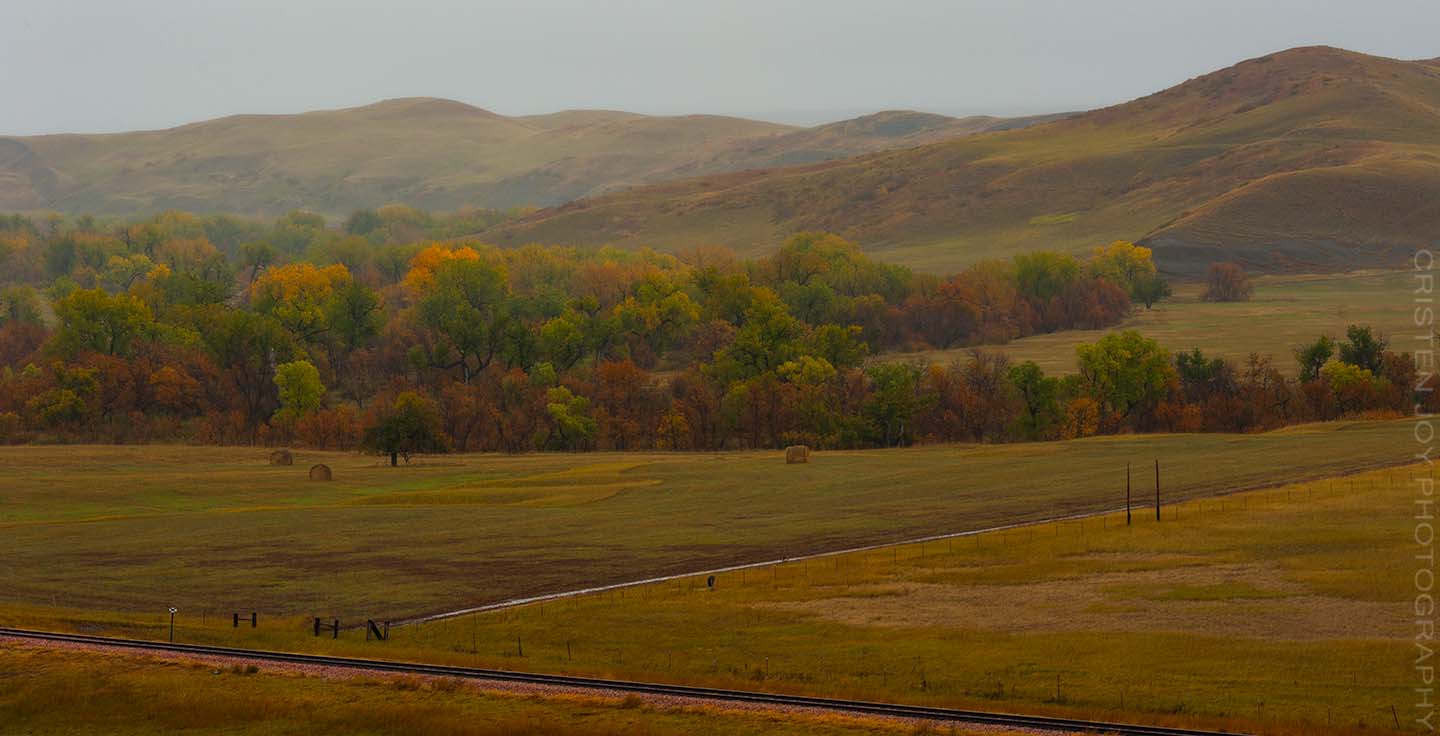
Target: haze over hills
{"points": [[425, 152], [1312, 158]]}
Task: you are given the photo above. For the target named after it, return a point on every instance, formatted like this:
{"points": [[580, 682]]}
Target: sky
{"points": [[111, 65]]}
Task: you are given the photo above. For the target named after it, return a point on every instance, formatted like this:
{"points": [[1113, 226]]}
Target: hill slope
{"points": [[431, 153], [1307, 159]]}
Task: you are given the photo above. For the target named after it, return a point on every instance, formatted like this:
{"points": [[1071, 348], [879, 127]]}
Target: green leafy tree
{"points": [[363, 222], [466, 310], [840, 346], [411, 426], [354, 315], [19, 304], [1124, 372], [1043, 275], [1039, 395], [572, 425], [245, 345], [1363, 348], [1314, 356], [95, 321], [769, 338], [1201, 376], [1150, 288], [893, 402], [300, 389]]}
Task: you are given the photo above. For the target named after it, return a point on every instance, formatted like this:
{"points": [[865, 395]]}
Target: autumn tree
{"points": [[298, 295], [1124, 264], [1227, 282]]}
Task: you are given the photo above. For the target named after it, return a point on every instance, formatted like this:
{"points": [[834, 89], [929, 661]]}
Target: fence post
{"points": [[1157, 489], [1127, 494]]}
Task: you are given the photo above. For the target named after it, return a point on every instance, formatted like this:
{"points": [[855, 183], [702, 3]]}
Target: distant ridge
{"points": [[1311, 158], [428, 152]]}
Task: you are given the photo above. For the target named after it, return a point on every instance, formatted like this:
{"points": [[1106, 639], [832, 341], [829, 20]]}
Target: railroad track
{"points": [[894, 710]]}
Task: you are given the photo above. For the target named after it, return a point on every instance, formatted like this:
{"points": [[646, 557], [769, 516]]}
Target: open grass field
{"points": [[1285, 312], [139, 529], [65, 692], [1284, 610]]}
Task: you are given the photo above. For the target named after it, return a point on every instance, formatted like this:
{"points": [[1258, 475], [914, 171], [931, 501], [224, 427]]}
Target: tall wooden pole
{"points": [[1157, 489], [1127, 494]]}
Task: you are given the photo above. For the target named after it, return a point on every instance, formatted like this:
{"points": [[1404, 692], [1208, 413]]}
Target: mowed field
{"points": [[1286, 311], [212, 530], [1283, 610], [1287, 610]]}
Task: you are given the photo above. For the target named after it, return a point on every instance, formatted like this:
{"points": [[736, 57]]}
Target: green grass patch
{"points": [[1056, 219]]}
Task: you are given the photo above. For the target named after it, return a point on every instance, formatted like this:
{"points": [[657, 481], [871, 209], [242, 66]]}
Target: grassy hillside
{"points": [[139, 528], [1308, 159], [431, 153]]}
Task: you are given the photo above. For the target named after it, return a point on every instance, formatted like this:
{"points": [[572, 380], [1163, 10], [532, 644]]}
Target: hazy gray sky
{"points": [[104, 65]]}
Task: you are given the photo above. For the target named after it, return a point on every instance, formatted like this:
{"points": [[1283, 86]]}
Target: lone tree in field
{"points": [[1227, 282], [410, 427]]}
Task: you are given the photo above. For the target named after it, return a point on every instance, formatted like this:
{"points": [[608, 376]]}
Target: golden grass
{"points": [[68, 692], [1278, 611]]}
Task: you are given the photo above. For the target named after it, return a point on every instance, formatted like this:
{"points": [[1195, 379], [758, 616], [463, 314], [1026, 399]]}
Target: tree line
{"points": [[390, 331]]}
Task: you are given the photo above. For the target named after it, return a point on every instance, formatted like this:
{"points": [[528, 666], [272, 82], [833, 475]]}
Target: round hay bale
{"points": [[282, 457], [321, 472], [797, 454]]}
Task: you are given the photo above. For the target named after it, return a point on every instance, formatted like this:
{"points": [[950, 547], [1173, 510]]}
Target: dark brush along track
{"points": [[861, 707]]}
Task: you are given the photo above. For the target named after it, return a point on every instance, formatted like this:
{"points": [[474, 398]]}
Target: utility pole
{"points": [[1157, 489], [1127, 494]]}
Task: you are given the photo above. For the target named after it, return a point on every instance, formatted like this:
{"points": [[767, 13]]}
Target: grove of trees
{"points": [[392, 334]]}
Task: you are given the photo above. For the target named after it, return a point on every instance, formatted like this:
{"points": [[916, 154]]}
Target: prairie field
{"points": [[60, 692], [1281, 610], [1285, 312], [212, 530]]}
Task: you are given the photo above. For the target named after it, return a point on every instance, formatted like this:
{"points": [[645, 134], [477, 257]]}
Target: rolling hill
{"points": [[430, 153], [1313, 158]]}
